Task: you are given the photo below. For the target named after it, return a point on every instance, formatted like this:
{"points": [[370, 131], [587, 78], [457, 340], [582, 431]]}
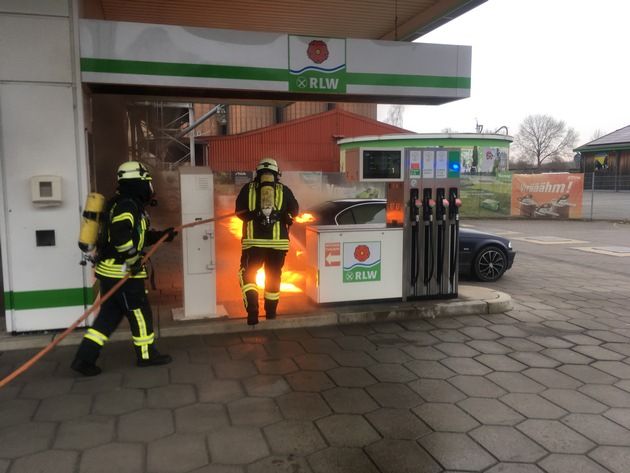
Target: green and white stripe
{"points": [[174, 56]]}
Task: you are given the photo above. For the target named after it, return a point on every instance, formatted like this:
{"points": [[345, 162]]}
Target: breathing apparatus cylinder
{"points": [[267, 194], [91, 221]]}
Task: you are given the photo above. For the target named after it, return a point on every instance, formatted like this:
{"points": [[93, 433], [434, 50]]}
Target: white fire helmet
{"points": [[268, 164]]}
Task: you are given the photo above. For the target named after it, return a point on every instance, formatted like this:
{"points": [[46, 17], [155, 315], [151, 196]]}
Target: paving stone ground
{"points": [[544, 387]]}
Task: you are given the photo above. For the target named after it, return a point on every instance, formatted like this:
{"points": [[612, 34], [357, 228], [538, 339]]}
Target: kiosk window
{"points": [[381, 164]]}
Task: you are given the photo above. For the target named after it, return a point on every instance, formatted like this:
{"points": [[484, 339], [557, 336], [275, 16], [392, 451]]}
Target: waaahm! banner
{"points": [[547, 195]]}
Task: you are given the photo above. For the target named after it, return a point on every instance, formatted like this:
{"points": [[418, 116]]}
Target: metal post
{"points": [[191, 135], [592, 193]]}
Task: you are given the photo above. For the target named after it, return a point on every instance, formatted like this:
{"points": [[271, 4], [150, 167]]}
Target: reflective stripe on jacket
{"points": [[127, 229]]}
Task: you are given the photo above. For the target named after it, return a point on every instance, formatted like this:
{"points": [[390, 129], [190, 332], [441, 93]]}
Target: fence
{"points": [[600, 181]]}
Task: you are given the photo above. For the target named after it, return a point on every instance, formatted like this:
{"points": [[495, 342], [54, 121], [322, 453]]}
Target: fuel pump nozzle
{"points": [[428, 204], [454, 218], [414, 204], [442, 208], [455, 203], [414, 217], [442, 204]]}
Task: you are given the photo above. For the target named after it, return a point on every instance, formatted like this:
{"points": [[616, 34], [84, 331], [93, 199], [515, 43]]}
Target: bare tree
{"points": [[395, 115], [541, 138], [597, 134]]}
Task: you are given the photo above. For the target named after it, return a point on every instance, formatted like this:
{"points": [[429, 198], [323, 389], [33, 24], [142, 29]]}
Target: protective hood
{"points": [[138, 188]]}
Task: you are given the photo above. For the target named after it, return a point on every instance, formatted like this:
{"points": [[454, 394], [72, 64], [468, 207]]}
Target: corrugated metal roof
{"points": [[402, 20], [616, 139], [305, 144]]}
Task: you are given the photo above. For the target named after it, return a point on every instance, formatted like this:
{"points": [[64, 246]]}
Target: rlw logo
{"points": [[362, 262], [320, 83], [317, 64]]}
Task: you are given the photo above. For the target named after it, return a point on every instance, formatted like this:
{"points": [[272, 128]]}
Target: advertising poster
{"points": [[601, 162], [547, 195]]}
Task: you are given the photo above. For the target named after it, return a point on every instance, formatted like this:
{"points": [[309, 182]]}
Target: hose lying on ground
{"points": [[102, 299]]}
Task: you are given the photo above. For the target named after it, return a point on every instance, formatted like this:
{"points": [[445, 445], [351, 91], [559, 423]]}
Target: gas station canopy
{"points": [[392, 20]]}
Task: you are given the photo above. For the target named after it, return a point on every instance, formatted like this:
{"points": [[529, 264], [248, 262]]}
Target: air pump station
{"points": [[415, 255]]}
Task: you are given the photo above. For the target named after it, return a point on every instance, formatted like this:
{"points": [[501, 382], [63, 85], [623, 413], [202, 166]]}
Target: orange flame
{"points": [[235, 226], [288, 283], [305, 218], [290, 279]]}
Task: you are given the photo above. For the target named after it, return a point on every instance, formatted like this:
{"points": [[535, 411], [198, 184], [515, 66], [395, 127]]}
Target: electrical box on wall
{"points": [[46, 191]]}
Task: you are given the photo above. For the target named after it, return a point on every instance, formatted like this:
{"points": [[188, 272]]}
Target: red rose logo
{"points": [[317, 51], [361, 253]]}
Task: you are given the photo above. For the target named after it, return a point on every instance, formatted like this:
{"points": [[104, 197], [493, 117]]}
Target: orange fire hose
{"points": [[103, 298]]}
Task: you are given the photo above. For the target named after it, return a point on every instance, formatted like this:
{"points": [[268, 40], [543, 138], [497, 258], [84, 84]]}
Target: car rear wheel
{"points": [[489, 264]]}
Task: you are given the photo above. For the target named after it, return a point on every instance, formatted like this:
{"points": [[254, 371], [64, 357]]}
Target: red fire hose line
{"points": [[103, 298]]}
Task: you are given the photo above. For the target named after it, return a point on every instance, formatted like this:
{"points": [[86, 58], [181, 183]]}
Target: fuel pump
{"points": [[453, 218], [429, 191]]}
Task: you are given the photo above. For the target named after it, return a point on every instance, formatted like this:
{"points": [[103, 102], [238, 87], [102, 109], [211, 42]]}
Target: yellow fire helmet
{"points": [[133, 170]]}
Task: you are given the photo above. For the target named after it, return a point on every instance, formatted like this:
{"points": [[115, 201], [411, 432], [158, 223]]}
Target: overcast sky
{"points": [[565, 58]]}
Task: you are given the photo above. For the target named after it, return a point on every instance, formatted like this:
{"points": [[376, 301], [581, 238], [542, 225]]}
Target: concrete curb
{"points": [[471, 300]]}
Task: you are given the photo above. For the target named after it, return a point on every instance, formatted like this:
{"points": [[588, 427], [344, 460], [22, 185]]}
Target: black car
{"points": [[483, 255]]}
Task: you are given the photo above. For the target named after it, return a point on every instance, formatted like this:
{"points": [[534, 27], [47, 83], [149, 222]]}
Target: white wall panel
{"points": [[35, 49], [41, 143], [39, 7]]}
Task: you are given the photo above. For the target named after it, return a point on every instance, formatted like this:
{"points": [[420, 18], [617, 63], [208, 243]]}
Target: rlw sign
{"points": [[362, 261], [317, 64]]}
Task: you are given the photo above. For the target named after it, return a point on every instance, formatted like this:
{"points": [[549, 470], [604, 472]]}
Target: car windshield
{"points": [[362, 214], [343, 212]]}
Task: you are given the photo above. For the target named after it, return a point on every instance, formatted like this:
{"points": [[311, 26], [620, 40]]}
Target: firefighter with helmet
{"points": [[269, 208], [124, 235]]}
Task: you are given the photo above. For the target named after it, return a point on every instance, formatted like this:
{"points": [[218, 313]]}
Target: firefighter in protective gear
{"points": [[269, 208], [125, 234]]}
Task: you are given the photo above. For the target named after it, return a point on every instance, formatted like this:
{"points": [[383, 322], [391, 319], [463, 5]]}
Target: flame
{"points": [[305, 218], [288, 283], [235, 226], [291, 280], [260, 278]]}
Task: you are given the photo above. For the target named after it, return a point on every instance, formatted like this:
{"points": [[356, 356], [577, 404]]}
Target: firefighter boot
{"points": [[270, 308], [252, 317], [85, 360], [155, 358], [85, 368], [252, 307]]}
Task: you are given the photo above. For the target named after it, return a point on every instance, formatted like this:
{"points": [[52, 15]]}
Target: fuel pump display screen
{"points": [[381, 164]]}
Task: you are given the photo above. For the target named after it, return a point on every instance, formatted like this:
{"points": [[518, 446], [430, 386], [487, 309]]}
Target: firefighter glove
{"points": [[136, 268], [170, 231], [132, 259]]}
